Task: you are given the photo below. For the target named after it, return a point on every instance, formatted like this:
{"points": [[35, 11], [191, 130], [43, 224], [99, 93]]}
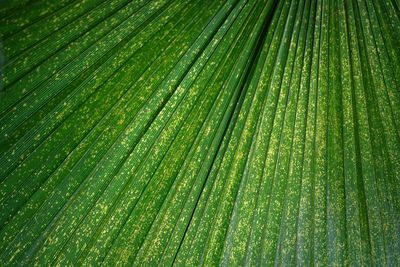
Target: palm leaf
{"points": [[157, 132]]}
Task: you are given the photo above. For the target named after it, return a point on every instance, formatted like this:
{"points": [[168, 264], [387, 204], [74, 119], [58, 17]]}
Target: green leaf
{"points": [[238, 132]]}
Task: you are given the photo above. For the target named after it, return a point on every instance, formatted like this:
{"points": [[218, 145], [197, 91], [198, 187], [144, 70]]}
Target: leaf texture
{"points": [[178, 132]]}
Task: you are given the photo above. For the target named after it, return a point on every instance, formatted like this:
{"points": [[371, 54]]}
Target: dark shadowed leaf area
{"points": [[200, 132]]}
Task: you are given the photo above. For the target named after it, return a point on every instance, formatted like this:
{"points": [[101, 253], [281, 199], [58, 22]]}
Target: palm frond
{"points": [[238, 132]]}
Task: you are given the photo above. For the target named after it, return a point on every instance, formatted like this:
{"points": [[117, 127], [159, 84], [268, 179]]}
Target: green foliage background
{"points": [[238, 132]]}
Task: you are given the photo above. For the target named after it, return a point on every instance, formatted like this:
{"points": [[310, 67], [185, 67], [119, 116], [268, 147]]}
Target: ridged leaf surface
{"points": [[213, 132]]}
